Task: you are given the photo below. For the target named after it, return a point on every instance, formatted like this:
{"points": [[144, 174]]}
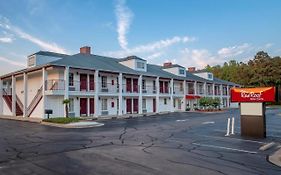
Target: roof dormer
{"points": [[204, 74], [174, 69], [135, 63]]}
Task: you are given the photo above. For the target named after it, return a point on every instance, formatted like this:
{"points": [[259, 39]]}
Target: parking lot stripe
{"points": [[226, 148], [245, 140], [208, 122]]}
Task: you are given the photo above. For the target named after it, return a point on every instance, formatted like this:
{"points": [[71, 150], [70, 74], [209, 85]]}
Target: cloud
{"points": [[196, 57], [154, 55], [268, 45], [202, 57], [4, 23], [15, 63], [6, 40], [124, 19], [151, 47], [234, 50]]}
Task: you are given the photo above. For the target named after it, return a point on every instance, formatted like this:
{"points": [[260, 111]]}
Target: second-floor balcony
{"points": [[178, 90], [149, 90], [108, 88], [129, 88], [191, 91], [73, 86]]}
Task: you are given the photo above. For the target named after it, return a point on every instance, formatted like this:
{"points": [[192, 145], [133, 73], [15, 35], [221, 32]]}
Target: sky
{"points": [[185, 32]]}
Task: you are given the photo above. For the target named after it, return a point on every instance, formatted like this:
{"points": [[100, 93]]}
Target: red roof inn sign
{"points": [[262, 94]]}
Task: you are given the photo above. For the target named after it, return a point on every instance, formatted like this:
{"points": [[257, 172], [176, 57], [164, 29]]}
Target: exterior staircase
{"points": [[8, 99], [35, 101]]}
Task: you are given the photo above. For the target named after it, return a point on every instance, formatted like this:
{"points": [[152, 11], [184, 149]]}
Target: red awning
{"points": [[190, 97]]}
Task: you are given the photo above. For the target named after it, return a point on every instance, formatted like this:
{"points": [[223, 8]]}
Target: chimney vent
{"points": [[167, 64], [191, 69], [85, 50]]}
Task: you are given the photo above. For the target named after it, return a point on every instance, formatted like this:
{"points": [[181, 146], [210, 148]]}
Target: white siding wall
{"points": [[55, 103], [111, 110], [34, 83], [6, 110], [37, 113], [164, 107], [129, 63], [149, 105]]}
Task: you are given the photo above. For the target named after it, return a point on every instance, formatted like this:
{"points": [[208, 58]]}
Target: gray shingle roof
{"points": [[220, 81], [52, 54], [131, 57], [173, 65], [102, 63]]}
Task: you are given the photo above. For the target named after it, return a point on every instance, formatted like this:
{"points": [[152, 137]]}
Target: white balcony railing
{"points": [[149, 90], [108, 88]]}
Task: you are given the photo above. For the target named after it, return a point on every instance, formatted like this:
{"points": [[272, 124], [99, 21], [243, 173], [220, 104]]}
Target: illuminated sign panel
{"points": [[263, 94]]}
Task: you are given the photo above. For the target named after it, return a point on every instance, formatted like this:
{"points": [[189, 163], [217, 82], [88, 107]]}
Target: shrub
{"points": [[209, 103], [61, 120]]}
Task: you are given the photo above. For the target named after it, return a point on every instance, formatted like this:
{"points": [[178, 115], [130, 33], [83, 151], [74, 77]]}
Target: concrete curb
{"points": [[24, 119], [275, 158], [68, 126]]}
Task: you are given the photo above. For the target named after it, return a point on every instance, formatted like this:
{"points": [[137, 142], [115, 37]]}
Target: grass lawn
{"points": [[62, 120]]}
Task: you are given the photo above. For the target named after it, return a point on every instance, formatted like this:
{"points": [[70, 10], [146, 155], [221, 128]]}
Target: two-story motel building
{"points": [[99, 86]]}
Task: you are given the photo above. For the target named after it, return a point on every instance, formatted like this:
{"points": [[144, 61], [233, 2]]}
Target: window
{"points": [[143, 84], [104, 104], [103, 81], [140, 65], [181, 86], [71, 105], [154, 86], [210, 76], [117, 82], [165, 101], [181, 71], [71, 79], [143, 103], [174, 103], [31, 61]]}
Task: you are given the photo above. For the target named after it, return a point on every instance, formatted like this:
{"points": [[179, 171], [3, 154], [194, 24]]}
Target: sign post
{"points": [[252, 109]]}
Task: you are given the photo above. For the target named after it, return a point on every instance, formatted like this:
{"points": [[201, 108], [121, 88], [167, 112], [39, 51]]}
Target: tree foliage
{"points": [[209, 102], [262, 70]]}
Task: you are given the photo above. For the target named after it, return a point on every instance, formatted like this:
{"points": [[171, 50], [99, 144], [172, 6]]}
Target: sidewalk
{"points": [[20, 118], [275, 158]]}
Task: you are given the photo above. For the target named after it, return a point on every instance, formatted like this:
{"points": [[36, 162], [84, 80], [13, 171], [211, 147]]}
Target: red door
{"points": [[83, 106], [92, 106], [135, 85], [161, 86], [128, 85], [83, 82], [129, 106], [92, 82], [166, 87], [154, 105], [136, 105]]}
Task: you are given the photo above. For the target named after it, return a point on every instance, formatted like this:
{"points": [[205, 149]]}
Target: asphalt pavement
{"points": [[176, 143]]}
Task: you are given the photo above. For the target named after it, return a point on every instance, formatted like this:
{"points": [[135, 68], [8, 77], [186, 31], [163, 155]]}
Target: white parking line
{"points": [[226, 148], [181, 120], [244, 140], [209, 122]]}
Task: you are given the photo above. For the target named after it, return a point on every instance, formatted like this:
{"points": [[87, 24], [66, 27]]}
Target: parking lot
{"points": [[175, 143]]}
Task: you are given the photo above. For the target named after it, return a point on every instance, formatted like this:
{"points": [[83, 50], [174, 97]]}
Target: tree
{"points": [[66, 103]]}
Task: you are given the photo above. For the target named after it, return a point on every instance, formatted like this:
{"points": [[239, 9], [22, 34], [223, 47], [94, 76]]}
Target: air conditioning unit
{"points": [[144, 111], [104, 112], [104, 90], [144, 91], [71, 88]]}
